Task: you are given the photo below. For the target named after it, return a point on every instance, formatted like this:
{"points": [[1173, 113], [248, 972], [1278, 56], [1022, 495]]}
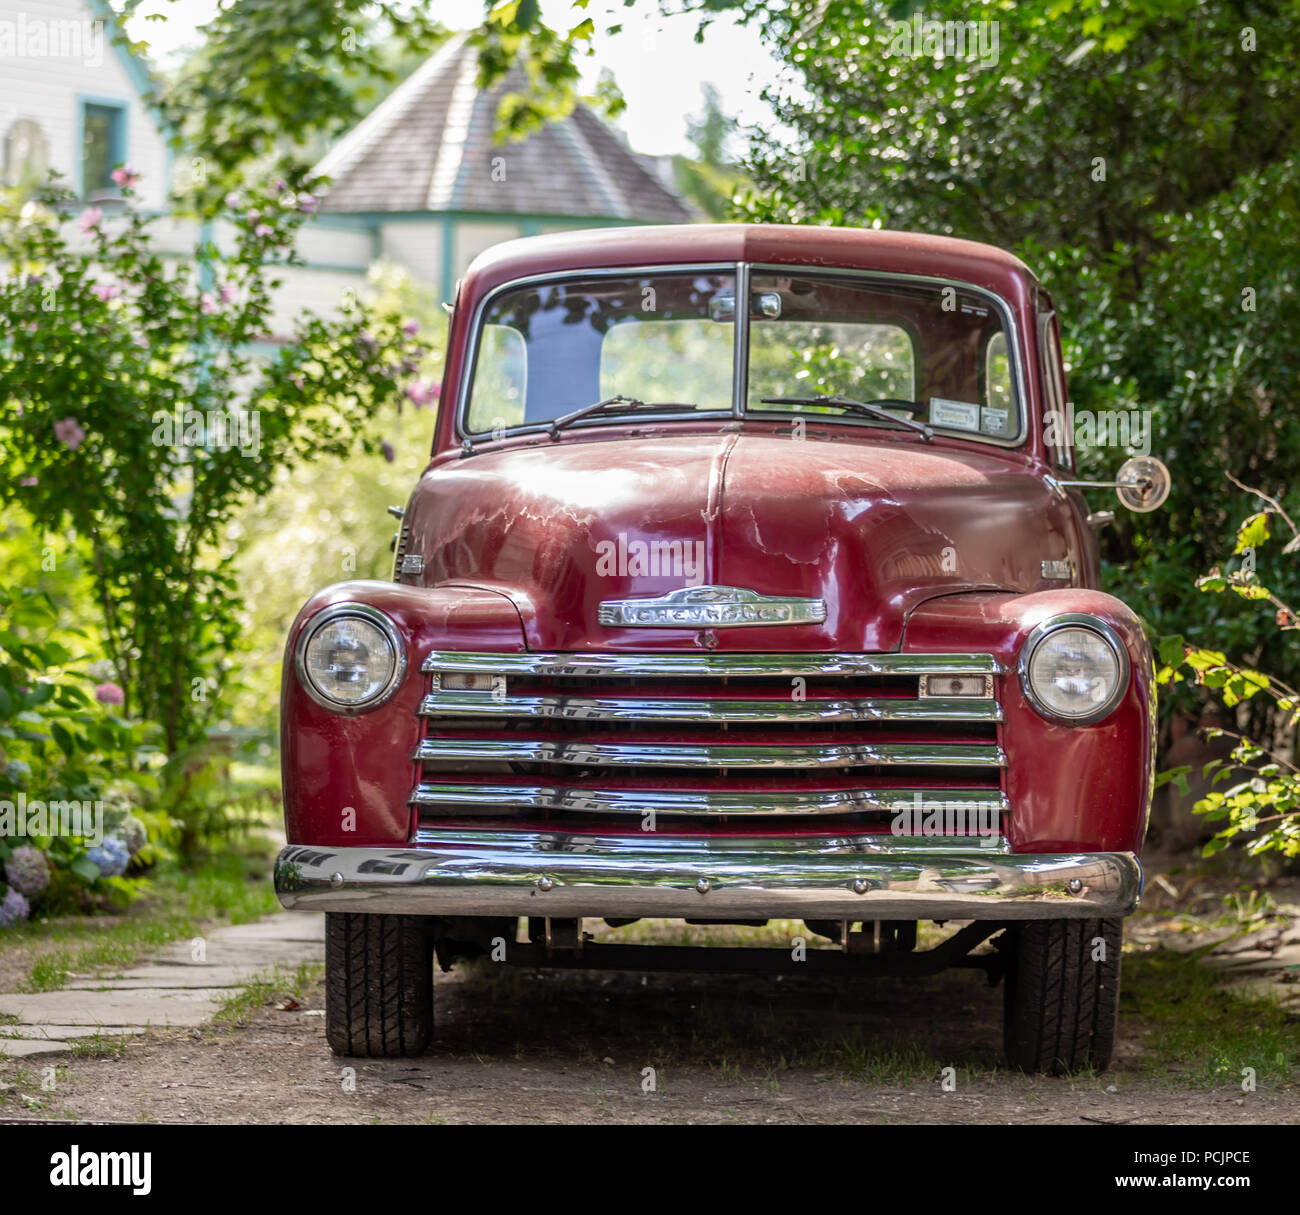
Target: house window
{"points": [[103, 146], [26, 154]]}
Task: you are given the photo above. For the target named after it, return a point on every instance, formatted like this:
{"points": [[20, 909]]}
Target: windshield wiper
{"points": [[625, 402], [872, 410]]}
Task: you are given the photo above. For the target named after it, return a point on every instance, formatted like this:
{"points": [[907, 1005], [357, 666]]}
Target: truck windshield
{"points": [[548, 349], [932, 354]]}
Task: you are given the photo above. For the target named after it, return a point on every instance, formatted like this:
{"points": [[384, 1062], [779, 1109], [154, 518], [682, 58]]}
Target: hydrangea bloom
{"points": [[89, 220], [18, 771], [112, 856], [134, 833], [27, 870], [69, 432], [109, 694], [125, 177], [421, 393], [13, 909]]}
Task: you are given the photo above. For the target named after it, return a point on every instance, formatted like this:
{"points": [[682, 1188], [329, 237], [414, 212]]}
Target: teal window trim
{"points": [[120, 153], [448, 260]]}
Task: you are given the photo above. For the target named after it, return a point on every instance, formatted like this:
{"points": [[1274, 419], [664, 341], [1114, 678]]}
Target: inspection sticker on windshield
{"points": [[994, 421], [959, 415]]}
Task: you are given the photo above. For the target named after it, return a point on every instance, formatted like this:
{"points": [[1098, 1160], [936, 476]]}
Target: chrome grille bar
{"points": [[610, 708], [490, 798], [679, 664], [703, 755]]}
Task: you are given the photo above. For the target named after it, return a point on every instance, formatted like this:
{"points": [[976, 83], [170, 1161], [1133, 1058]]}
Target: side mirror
{"points": [[1142, 484]]}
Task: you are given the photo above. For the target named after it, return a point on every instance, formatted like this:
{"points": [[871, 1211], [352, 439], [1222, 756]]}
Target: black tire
{"points": [[378, 984], [1062, 1007]]}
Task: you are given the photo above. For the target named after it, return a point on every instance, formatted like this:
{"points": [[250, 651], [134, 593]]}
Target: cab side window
{"points": [[1058, 420]]}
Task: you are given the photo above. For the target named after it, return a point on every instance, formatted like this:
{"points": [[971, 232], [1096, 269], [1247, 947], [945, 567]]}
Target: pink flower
{"points": [[232, 199], [264, 230], [308, 204], [207, 304], [125, 177], [89, 220], [387, 448], [253, 216], [227, 293], [298, 382], [422, 393], [109, 694], [411, 328], [106, 291], [28, 481], [69, 433]]}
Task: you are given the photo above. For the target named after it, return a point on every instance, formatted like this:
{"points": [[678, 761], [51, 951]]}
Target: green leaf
{"points": [[1253, 532]]}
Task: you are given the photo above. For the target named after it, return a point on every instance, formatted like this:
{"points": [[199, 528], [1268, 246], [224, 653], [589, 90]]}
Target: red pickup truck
{"points": [[748, 581]]}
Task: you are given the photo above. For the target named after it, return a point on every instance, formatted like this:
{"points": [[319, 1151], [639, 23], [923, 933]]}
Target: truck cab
{"points": [[748, 580]]}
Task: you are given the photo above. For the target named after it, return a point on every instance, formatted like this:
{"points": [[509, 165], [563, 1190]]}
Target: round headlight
{"points": [[1074, 669], [350, 657]]}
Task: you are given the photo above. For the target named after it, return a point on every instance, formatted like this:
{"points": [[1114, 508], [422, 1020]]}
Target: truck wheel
{"points": [[378, 984], [1062, 994]]}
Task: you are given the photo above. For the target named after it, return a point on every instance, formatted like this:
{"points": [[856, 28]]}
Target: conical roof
{"points": [[428, 147]]}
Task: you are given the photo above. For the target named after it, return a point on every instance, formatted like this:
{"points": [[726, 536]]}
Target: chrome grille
{"points": [[710, 737]]}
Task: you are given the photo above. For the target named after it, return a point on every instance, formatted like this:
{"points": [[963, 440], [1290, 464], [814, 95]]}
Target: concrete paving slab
{"points": [[17, 1048], [37, 1032], [146, 1006], [144, 977]]}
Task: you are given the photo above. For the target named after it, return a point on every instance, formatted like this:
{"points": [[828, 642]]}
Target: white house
{"points": [[420, 181], [72, 99]]}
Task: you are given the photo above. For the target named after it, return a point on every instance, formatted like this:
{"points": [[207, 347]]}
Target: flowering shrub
{"points": [[73, 774], [134, 408], [1262, 805]]}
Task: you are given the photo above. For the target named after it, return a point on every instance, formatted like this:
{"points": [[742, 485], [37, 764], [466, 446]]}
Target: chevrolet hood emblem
{"points": [[716, 607]]}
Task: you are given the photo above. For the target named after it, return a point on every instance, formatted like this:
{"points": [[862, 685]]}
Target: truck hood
{"points": [[871, 527]]}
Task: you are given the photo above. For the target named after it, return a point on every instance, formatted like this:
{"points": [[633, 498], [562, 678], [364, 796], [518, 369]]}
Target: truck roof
{"points": [[807, 245]]}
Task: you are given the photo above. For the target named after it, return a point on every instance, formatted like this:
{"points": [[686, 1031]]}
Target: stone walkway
{"points": [[171, 988]]}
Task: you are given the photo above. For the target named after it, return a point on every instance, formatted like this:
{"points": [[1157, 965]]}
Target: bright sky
{"points": [[655, 60]]}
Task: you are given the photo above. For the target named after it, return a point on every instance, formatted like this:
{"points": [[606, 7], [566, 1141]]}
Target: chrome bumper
{"points": [[853, 877]]}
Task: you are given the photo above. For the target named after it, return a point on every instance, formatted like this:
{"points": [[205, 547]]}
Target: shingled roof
{"points": [[428, 147]]}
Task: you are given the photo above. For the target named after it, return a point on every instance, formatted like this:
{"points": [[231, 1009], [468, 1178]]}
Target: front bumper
{"points": [[852, 877]]}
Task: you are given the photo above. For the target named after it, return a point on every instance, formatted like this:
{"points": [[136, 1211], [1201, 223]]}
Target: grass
{"points": [[278, 982], [1201, 1029], [101, 1045], [234, 887]]}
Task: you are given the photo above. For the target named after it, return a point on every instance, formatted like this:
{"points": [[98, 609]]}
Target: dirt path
{"points": [[526, 1046]]}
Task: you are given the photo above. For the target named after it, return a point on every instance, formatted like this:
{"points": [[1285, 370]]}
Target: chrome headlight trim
{"points": [[1093, 624], [360, 611]]}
